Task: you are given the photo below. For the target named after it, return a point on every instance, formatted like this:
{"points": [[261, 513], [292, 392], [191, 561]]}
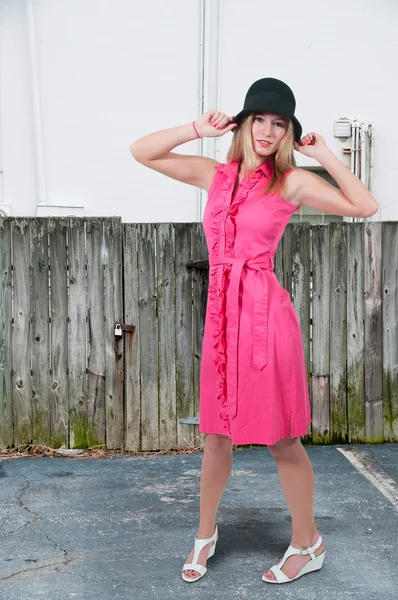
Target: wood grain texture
{"points": [[95, 378], [320, 409], [338, 331], [40, 318], [295, 274], [390, 329], [149, 355], [320, 298], [22, 332], [6, 416], [132, 345], [184, 360], [59, 384], [355, 333], [66, 379], [166, 281], [373, 333], [113, 312], [200, 284], [77, 350]]}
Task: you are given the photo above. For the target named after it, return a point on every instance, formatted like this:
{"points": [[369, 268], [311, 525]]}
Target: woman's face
{"points": [[268, 130]]}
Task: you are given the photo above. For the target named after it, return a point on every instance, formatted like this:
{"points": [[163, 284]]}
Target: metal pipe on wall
{"points": [[210, 76], [37, 117], [354, 148], [357, 148], [365, 134]]}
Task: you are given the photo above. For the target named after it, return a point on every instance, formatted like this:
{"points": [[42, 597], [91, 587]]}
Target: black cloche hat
{"points": [[270, 95]]}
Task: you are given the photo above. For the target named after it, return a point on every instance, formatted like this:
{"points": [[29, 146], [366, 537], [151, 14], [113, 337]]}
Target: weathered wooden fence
{"points": [[65, 378]]}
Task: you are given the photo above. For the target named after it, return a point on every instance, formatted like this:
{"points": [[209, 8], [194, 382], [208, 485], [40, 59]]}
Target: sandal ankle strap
{"points": [[292, 550], [205, 541], [311, 549]]}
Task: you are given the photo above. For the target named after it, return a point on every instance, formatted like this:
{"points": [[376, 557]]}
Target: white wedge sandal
{"points": [[314, 564], [194, 566]]}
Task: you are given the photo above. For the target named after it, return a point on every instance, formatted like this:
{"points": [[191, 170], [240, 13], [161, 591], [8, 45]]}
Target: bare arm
{"points": [[154, 150], [304, 187]]}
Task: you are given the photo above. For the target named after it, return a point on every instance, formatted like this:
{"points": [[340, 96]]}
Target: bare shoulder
{"points": [[293, 184]]}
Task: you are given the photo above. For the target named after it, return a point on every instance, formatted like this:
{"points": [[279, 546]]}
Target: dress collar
{"points": [[267, 168], [233, 166]]}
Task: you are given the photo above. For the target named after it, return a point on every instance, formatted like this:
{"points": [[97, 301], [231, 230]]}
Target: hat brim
{"points": [[296, 124]]}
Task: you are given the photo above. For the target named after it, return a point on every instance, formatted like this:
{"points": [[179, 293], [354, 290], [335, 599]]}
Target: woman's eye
{"points": [[279, 123], [258, 118]]}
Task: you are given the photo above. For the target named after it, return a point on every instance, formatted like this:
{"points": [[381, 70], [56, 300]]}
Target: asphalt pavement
{"points": [[122, 527]]}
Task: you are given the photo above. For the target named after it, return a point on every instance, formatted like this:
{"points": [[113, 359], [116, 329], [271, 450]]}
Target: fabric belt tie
{"points": [[260, 317]]}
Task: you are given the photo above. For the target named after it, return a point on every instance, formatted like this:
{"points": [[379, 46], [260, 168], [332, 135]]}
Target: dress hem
{"points": [[238, 441]]}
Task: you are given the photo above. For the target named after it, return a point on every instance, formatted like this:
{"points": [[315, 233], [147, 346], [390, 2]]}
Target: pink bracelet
{"points": [[196, 131]]}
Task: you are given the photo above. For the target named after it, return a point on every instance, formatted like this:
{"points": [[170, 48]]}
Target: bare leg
{"points": [[216, 469], [297, 480]]}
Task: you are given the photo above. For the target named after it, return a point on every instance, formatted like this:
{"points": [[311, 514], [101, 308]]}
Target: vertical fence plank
{"points": [[22, 333], [77, 309], [338, 331], [301, 274], [40, 358], [320, 335], [112, 261], [95, 381], [320, 409], [373, 333], [132, 345], [6, 427], [355, 334], [167, 325], [59, 388], [184, 370], [390, 330], [149, 337], [296, 277], [200, 283]]}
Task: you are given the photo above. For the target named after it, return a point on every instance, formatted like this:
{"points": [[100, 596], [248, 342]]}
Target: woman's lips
{"points": [[264, 144]]}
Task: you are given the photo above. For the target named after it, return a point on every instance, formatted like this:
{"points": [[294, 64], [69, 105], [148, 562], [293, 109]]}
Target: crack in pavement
{"points": [[45, 566], [57, 547], [12, 532], [22, 505]]}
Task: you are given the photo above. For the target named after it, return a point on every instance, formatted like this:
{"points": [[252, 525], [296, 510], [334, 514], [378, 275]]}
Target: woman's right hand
{"points": [[214, 123]]}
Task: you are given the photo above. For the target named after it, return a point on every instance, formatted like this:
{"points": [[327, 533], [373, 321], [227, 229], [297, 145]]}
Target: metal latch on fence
{"points": [[190, 421], [198, 264], [120, 327]]}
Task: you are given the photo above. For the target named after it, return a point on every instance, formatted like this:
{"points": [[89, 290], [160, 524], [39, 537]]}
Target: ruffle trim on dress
{"points": [[219, 213], [217, 312], [217, 293], [230, 225]]}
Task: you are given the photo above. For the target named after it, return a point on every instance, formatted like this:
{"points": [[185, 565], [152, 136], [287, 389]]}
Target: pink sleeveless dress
{"points": [[253, 381]]}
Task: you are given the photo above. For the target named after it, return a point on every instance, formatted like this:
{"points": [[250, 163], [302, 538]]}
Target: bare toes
{"points": [[190, 573], [270, 575]]}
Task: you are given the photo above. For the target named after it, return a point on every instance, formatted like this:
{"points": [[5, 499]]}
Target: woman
{"points": [[253, 386]]}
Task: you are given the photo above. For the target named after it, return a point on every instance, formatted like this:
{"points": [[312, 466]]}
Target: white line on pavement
{"points": [[375, 474]]}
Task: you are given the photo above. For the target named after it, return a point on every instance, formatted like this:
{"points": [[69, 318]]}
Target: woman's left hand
{"points": [[310, 145]]}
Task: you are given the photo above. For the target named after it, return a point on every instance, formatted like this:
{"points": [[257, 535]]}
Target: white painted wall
{"points": [[339, 58], [109, 71]]}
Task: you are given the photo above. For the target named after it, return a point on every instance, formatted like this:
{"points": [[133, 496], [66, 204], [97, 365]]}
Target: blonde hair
{"points": [[241, 149]]}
